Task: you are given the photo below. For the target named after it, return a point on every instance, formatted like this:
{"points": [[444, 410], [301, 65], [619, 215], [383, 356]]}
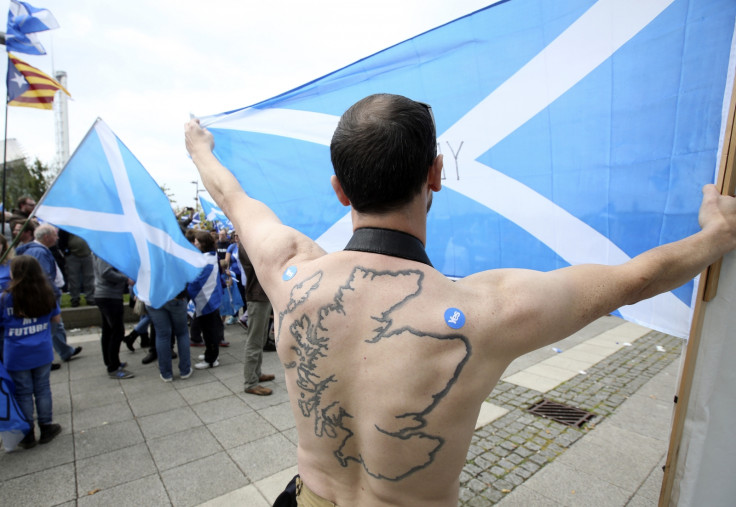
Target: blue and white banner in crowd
{"points": [[107, 197], [194, 224], [205, 290], [214, 214], [574, 131]]}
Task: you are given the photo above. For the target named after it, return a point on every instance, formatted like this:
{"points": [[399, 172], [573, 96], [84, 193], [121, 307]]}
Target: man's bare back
{"points": [[387, 361], [378, 379]]}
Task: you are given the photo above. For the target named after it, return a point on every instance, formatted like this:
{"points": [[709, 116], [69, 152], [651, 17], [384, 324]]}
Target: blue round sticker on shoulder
{"points": [[289, 273], [454, 318]]}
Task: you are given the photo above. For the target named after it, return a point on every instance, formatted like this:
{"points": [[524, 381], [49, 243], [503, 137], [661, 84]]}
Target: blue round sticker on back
{"points": [[289, 273], [454, 318]]}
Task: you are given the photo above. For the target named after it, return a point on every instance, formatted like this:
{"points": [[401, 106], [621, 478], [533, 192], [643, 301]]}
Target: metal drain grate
{"points": [[564, 414]]}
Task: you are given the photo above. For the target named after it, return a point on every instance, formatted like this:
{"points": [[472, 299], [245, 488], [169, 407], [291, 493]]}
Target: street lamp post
{"points": [[196, 193]]}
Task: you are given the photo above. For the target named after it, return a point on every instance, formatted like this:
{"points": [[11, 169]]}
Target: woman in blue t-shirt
{"points": [[27, 307]]}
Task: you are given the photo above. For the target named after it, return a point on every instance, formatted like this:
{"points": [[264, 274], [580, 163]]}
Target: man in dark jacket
{"points": [[259, 313]]}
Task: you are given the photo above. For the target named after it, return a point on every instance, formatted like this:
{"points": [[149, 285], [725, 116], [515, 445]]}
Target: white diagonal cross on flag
{"points": [[144, 234]]}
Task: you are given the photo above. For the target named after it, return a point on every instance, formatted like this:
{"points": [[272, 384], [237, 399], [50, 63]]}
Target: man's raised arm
{"points": [[542, 308], [270, 244]]}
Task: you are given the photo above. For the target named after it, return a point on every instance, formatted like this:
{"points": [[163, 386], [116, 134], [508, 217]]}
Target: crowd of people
{"points": [[46, 262]]}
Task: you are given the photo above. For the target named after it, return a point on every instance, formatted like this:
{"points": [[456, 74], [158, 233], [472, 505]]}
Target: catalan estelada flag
{"points": [[29, 87]]}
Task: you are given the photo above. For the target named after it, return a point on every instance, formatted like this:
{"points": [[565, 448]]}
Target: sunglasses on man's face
{"points": [[431, 114]]}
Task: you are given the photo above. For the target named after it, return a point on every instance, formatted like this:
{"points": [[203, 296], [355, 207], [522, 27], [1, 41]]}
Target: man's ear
{"points": [[339, 191], [434, 178]]}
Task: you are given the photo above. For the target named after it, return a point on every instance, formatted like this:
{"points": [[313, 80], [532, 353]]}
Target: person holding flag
{"points": [[129, 223], [110, 285], [169, 321], [206, 292], [356, 329]]}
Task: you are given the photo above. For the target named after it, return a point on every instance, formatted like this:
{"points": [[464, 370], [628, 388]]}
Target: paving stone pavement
{"points": [[202, 441], [507, 452]]}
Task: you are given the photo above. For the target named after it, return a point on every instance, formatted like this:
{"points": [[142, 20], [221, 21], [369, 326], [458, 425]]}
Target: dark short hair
{"points": [[205, 240], [30, 227], [22, 200], [382, 150]]}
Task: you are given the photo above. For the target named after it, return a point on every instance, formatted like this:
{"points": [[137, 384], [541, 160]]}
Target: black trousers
{"points": [[213, 332], [195, 332], [113, 330]]}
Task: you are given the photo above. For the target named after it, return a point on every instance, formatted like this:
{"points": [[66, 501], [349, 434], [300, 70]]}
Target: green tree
{"points": [[168, 193], [22, 179]]}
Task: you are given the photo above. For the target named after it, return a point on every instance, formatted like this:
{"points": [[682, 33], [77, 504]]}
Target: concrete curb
{"points": [[87, 316]]}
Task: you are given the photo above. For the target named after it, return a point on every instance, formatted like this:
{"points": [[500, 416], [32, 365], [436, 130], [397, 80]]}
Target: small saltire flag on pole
{"points": [[213, 213], [573, 131], [24, 21], [29, 87], [105, 196], [194, 224]]}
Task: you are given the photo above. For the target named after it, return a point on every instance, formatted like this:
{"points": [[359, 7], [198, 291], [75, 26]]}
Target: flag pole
{"points": [[726, 183], [32, 215], [5, 161]]}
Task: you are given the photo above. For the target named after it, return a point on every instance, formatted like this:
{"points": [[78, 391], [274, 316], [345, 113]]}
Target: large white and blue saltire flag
{"points": [[206, 289], [105, 195], [24, 21], [214, 214], [574, 131]]}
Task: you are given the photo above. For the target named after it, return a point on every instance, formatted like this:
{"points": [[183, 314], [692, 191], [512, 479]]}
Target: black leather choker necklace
{"points": [[388, 242]]}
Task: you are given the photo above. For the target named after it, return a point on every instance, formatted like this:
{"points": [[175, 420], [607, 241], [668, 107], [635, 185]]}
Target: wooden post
{"points": [[706, 292], [727, 184]]}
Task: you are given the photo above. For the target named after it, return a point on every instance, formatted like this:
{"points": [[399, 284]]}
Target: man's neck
{"points": [[410, 220]]}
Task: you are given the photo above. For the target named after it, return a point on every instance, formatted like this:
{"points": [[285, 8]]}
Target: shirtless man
{"points": [[386, 360]]}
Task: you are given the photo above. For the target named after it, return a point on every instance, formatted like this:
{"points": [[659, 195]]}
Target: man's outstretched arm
{"points": [[271, 245], [541, 308]]}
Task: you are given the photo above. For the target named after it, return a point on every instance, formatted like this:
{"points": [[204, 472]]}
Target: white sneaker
{"points": [[200, 357], [164, 378], [203, 365], [183, 377]]}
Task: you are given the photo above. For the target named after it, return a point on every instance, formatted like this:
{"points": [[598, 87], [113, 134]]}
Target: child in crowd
{"points": [[27, 308]]}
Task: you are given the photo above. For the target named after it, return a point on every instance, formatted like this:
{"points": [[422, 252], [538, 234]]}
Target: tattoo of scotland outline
{"points": [[405, 429]]}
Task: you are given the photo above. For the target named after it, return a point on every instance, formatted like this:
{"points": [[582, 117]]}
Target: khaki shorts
{"points": [[305, 497]]}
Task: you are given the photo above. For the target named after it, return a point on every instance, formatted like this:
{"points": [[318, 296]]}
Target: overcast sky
{"points": [[144, 65]]}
